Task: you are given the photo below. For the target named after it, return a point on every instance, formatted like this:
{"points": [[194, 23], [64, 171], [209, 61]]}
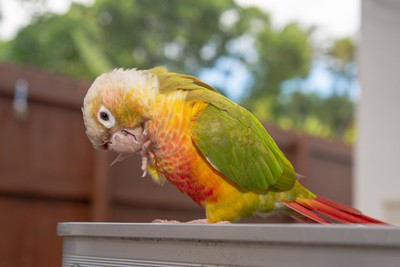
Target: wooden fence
{"points": [[50, 173]]}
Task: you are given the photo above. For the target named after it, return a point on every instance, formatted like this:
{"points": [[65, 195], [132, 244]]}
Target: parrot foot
{"points": [[165, 221], [199, 221], [205, 221], [145, 156]]}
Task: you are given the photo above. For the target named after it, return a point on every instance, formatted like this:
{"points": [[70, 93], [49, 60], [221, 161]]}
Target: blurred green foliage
{"points": [[86, 41], [283, 55], [188, 36]]}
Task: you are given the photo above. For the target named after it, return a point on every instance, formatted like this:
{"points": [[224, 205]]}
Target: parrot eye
{"points": [[105, 117]]}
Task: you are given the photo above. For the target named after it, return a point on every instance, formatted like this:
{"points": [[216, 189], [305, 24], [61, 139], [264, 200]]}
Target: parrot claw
{"points": [[119, 158], [146, 146]]}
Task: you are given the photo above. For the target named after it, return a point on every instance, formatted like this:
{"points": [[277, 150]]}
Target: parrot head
{"points": [[116, 108]]}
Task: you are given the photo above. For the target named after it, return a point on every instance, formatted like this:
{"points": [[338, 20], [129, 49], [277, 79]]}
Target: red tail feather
{"points": [[313, 208], [339, 206], [306, 212]]}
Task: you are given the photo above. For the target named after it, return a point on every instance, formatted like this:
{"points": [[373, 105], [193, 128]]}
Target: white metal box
{"points": [[131, 244]]}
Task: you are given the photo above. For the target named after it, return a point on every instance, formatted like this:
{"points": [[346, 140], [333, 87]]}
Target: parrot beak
{"points": [[126, 141]]}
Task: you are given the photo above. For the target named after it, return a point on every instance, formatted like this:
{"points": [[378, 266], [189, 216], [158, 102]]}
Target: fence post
{"points": [[301, 154], [101, 188]]}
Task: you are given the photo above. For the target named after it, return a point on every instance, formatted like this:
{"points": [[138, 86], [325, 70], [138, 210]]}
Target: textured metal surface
{"points": [[228, 245], [86, 261], [291, 233]]}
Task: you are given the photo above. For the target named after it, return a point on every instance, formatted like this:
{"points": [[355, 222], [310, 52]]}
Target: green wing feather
{"points": [[231, 138], [236, 143], [170, 81]]}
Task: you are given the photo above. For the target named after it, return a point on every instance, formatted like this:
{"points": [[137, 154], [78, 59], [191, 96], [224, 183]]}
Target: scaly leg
{"points": [[145, 152]]}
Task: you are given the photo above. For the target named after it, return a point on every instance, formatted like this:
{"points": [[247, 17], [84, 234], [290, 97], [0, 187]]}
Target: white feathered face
{"points": [[116, 107]]}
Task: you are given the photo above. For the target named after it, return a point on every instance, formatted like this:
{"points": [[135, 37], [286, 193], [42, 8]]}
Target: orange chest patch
{"points": [[179, 160], [177, 157]]}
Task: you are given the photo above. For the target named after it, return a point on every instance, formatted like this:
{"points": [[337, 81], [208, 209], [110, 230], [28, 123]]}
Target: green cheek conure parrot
{"points": [[207, 146]]}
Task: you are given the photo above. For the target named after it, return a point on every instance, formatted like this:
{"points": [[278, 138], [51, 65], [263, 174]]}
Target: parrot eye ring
{"points": [[104, 116]]}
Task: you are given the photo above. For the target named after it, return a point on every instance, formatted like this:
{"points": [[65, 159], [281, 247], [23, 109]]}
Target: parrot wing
{"points": [[170, 81], [231, 138], [237, 144]]}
